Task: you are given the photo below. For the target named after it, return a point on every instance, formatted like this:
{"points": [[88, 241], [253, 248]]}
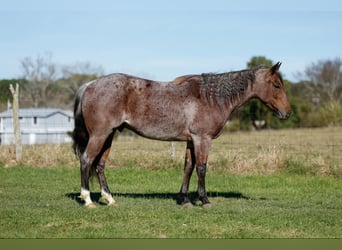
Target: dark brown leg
{"points": [[105, 192], [202, 146], [202, 194], [189, 165]]}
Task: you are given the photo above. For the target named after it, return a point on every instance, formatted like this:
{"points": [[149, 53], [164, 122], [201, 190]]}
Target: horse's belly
{"points": [[168, 131]]}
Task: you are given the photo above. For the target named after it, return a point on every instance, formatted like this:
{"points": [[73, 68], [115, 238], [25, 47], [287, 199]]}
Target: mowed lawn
{"points": [[290, 196]]}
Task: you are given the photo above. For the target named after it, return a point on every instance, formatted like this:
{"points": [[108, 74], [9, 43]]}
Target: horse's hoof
{"points": [[113, 204], [91, 205], [206, 205], [187, 204]]}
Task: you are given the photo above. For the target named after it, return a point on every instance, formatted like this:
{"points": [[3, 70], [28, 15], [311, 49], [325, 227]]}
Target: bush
{"points": [[331, 113], [313, 120], [237, 125]]}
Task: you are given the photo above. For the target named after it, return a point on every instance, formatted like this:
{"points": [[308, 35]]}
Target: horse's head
{"points": [[269, 88]]}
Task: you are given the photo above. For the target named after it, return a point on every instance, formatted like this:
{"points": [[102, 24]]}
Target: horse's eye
{"points": [[277, 86]]}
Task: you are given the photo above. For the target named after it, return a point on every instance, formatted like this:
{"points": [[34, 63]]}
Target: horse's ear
{"points": [[275, 67]]}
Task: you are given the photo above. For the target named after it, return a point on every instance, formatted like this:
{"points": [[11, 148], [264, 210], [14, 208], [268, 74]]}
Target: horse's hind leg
{"points": [[105, 192], [85, 174], [88, 160]]}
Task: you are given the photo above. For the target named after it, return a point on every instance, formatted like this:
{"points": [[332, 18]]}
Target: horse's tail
{"points": [[80, 134]]}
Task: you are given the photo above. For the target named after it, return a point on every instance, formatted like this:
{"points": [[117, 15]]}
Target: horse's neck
{"points": [[232, 105], [242, 98], [230, 90]]}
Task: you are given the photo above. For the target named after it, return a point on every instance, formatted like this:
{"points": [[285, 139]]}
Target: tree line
{"points": [[45, 84], [316, 98]]}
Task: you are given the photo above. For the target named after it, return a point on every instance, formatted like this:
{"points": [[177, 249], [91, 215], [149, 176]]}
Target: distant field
{"points": [[300, 151], [270, 184]]}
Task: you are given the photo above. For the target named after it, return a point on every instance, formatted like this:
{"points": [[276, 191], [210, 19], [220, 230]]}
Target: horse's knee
{"points": [[201, 169]]}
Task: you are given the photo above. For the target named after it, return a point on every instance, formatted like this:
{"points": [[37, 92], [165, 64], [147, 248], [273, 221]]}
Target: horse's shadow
{"points": [[193, 196]]}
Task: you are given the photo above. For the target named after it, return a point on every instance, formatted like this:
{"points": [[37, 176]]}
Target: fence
{"points": [[38, 126], [266, 151]]}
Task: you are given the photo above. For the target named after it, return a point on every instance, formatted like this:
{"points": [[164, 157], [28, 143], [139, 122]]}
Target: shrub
{"points": [[332, 113]]}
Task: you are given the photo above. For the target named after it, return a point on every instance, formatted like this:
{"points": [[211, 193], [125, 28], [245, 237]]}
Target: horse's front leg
{"points": [[202, 146], [202, 194], [189, 165]]}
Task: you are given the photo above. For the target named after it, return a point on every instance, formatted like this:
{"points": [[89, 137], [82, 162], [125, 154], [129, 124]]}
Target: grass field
{"points": [[273, 184]]}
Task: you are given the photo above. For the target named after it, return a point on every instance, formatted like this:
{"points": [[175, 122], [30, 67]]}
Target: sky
{"points": [[162, 40]]}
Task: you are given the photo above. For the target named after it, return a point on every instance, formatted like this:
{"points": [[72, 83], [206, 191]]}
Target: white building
{"points": [[38, 126]]}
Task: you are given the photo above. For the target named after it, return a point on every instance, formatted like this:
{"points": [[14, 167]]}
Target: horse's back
{"points": [[182, 79]]}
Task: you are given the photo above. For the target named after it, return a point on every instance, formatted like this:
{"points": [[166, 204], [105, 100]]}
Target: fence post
{"points": [[16, 125], [172, 150]]}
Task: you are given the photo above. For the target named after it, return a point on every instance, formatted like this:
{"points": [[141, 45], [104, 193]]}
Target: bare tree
{"points": [[328, 75], [78, 74], [49, 84], [73, 76], [40, 72]]}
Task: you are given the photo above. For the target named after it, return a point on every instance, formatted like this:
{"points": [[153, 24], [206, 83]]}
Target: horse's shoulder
{"points": [[182, 79]]}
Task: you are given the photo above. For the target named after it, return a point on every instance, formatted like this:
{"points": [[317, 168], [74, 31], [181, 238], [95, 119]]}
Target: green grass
{"points": [[43, 203], [268, 184]]}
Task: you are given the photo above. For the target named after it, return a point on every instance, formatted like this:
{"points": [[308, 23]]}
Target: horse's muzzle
{"points": [[283, 115]]}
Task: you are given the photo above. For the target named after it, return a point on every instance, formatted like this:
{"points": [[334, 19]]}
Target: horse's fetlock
{"points": [[85, 196]]}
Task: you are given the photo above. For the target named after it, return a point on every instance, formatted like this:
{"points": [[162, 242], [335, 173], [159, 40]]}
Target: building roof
{"points": [[37, 112]]}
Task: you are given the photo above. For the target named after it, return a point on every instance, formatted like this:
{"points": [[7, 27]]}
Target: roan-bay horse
{"points": [[192, 108]]}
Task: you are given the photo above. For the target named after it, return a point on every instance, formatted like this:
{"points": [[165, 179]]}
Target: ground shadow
{"points": [[193, 196]]}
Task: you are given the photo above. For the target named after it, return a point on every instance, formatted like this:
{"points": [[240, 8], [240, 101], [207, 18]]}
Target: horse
{"points": [[191, 108]]}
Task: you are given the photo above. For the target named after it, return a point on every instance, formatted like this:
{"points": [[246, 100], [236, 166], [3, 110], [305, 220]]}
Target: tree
{"points": [[259, 60], [78, 74], [73, 76], [5, 93], [40, 73], [327, 74], [52, 86]]}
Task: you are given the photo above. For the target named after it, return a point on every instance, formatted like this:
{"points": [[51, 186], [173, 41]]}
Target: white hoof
{"points": [[108, 198], [113, 204], [90, 205], [85, 195]]}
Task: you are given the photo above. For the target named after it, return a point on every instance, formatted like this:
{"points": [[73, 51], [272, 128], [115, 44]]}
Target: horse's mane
{"points": [[226, 86], [219, 87]]}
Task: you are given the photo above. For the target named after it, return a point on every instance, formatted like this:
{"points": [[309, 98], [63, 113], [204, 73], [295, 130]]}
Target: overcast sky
{"points": [[165, 39]]}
